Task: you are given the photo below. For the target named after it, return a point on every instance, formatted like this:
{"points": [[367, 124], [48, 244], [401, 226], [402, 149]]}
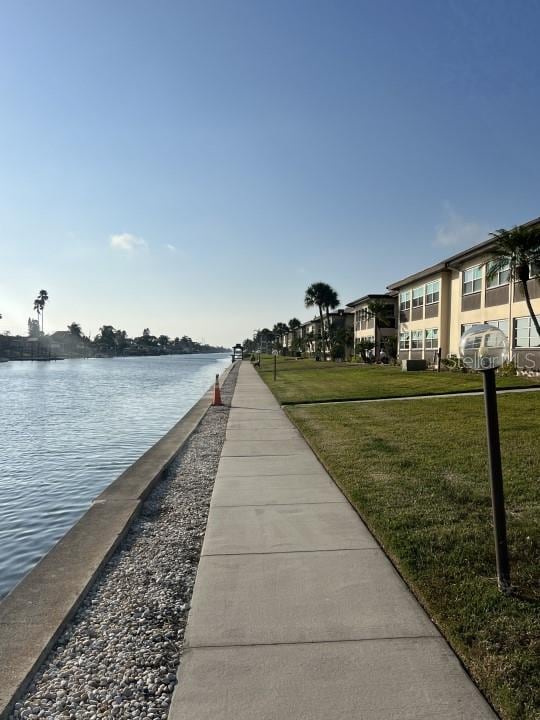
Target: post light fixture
{"points": [[485, 348]]}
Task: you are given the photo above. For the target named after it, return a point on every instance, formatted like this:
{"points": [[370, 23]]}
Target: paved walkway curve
{"points": [[297, 614]]}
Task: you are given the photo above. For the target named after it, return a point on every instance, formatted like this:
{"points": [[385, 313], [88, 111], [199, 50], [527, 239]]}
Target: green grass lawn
{"points": [[417, 473], [310, 381]]}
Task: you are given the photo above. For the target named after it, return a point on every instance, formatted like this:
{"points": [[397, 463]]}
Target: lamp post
{"points": [[485, 348]]}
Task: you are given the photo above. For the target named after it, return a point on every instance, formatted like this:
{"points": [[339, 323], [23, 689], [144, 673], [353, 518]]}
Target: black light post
{"points": [[275, 367], [496, 479], [485, 348]]}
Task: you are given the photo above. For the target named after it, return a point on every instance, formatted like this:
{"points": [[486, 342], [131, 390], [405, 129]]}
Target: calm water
{"points": [[68, 428]]}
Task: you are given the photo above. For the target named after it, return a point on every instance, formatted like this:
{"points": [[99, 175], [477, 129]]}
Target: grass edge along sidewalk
{"points": [[308, 381], [417, 475]]}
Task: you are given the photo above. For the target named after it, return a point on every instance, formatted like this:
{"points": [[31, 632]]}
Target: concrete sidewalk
{"points": [[297, 613]]}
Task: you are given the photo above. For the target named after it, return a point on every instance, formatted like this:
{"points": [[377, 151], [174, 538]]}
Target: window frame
{"points": [[496, 281], [405, 343], [436, 292], [405, 305], [428, 341], [421, 297], [464, 282], [496, 323], [419, 338], [531, 332]]}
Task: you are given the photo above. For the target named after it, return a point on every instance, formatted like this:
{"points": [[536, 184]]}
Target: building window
{"points": [[472, 280], [501, 277], [477, 340], [525, 335], [418, 297], [405, 300], [416, 339], [433, 290], [501, 324], [404, 340], [432, 338]]}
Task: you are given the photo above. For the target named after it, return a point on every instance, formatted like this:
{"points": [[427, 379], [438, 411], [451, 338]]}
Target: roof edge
{"points": [[451, 261]]}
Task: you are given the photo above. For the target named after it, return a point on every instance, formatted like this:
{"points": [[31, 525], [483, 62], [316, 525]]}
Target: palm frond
{"points": [[513, 248]]}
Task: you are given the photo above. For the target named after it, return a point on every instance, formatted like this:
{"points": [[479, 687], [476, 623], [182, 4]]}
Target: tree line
{"points": [[109, 341], [112, 341]]}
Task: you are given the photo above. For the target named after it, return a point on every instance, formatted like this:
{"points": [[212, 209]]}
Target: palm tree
{"points": [[37, 308], [39, 304], [294, 325], [516, 250], [331, 303], [321, 295], [280, 329], [75, 329], [383, 315]]}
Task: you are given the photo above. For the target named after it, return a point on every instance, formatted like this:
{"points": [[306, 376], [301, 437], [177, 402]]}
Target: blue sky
{"points": [[192, 166]]}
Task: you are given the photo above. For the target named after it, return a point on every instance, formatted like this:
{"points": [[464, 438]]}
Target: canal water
{"points": [[68, 428]]}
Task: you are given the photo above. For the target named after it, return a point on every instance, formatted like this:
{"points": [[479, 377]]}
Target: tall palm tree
{"points": [[331, 303], [40, 301], [383, 315], [294, 325], [37, 308], [280, 329], [516, 249], [324, 297], [315, 296]]}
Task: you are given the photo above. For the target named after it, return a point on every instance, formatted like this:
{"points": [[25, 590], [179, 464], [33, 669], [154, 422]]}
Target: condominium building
{"points": [[366, 328], [438, 304], [423, 313], [306, 337]]}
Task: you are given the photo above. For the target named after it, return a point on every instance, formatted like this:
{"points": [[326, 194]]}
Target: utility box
{"points": [[411, 365]]}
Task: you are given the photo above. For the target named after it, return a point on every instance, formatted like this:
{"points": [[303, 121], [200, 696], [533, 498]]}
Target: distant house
{"points": [[66, 344]]}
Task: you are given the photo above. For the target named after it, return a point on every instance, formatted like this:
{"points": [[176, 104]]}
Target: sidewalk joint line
{"points": [[262, 475], [327, 502], [437, 637], [290, 552], [270, 475], [262, 455]]}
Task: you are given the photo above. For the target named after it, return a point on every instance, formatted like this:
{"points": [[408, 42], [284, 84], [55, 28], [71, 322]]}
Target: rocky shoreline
{"points": [[119, 655]]}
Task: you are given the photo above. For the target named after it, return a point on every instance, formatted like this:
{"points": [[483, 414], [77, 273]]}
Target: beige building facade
{"points": [[423, 313], [439, 303]]}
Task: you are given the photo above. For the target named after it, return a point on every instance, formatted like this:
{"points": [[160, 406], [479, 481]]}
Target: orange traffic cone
{"points": [[217, 393]]}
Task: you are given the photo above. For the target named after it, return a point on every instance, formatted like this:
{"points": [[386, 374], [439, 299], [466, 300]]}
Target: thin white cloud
{"points": [[170, 247], [127, 241], [457, 231]]}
